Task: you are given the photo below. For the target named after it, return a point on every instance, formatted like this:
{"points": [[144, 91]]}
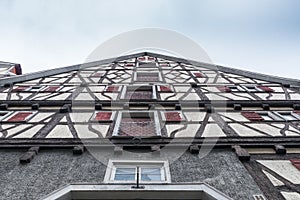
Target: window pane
{"points": [[150, 174], [266, 117], [125, 174], [288, 117]]}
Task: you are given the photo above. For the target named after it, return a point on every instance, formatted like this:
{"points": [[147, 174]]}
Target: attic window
{"points": [[223, 88], [35, 88], [165, 88], [129, 64], [139, 92], [288, 116], [52, 89], [147, 76], [173, 116], [251, 88], [20, 116], [103, 116], [112, 88], [198, 75], [137, 124], [265, 88]]}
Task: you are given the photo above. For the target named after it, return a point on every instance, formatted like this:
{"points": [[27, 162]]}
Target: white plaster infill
{"points": [[125, 191]]}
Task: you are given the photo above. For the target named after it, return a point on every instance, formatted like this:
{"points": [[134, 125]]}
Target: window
{"points": [[288, 116], [223, 88], [4, 114], [20, 116], [139, 92], [112, 88], [235, 88], [52, 88], [259, 116], [173, 116], [198, 75], [165, 88], [130, 171], [251, 88], [36, 88], [137, 124], [147, 77], [103, 116]]}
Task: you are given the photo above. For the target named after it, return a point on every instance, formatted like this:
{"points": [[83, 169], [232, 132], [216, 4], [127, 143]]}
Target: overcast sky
{"points": [[256, 35]]}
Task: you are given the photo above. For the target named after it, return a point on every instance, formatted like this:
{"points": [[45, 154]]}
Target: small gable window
{"points": [[165, 88], [265, 88], [198, 75], [261, 116]]}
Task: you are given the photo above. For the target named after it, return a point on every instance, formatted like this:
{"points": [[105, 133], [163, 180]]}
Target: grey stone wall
{"points": [[52, 169]]}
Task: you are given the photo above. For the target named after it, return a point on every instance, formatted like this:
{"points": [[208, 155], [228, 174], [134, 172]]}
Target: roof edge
{"points": [[50, 72]]}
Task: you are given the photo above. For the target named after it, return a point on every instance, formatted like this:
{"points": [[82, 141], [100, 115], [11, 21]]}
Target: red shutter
{"points": [[151, 58], [265, 88], [129, 64], [296, 163], [20, 88], [173, 116], [112, 89], [164, 64], [198, 75], [103, 116], [51, 88], [252, 116], [165, 88], [19, 117], [141, 58], [224, 88]]}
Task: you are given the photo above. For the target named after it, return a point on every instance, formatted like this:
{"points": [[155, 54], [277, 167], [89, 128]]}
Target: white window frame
{"points": [[30, 89], [281, 113], [119, 118], [114, 164], [8, 113], [270, 114], [238, 88], [256, 89]]}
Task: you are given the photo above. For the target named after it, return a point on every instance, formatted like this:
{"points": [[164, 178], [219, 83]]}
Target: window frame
{"points": [[135, 76], [112, 166], [115, 132], [291, 113], [125, 89]]}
